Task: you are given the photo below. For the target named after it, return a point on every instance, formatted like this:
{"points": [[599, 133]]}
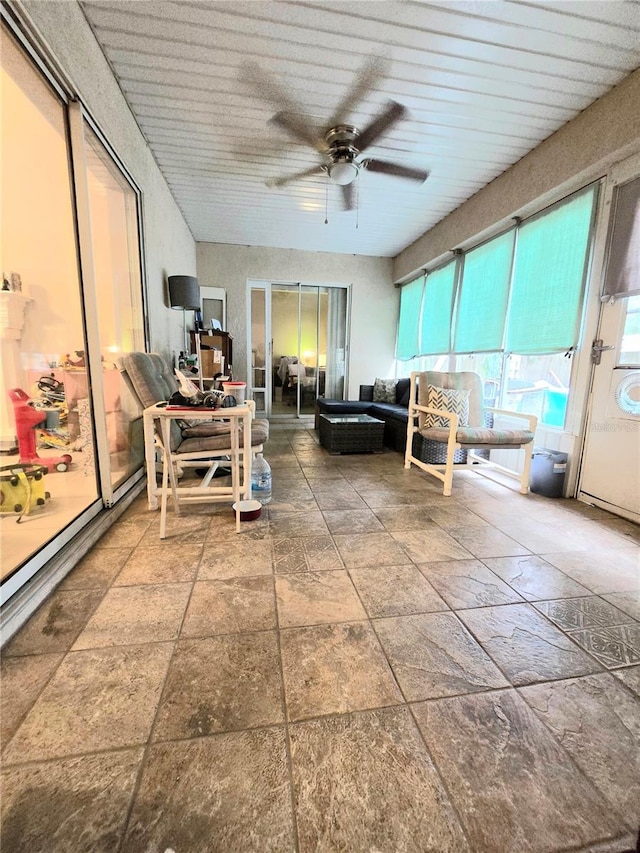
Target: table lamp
{"points": [[184, 294]]}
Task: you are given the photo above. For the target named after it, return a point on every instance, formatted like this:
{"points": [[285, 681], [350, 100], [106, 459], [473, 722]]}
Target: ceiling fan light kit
{"points": [[343, 172]]}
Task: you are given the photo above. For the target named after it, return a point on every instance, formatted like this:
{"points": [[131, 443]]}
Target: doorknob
{"points": [[597, 349]]}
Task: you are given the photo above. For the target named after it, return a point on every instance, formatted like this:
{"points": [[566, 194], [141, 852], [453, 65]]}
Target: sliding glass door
{"points": [[298, 345]]}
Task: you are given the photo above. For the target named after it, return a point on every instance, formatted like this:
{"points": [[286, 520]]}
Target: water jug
{"points": [[261, 479]]}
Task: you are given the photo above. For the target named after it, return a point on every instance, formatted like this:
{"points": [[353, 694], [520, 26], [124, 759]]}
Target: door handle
{"points": [[597, 349]]}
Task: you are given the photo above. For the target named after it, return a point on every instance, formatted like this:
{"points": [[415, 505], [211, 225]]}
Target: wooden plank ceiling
{"points": [[484, 83]]}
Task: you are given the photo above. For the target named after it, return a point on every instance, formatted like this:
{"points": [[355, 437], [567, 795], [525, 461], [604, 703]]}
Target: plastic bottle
{"points": [[261, 479]]}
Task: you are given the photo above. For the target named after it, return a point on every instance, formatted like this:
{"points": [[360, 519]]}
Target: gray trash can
{"points": [[548, 470]]}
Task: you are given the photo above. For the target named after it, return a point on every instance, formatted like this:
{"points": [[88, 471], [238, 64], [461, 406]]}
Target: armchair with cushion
{"points": [[447, 408], [192, 445]]}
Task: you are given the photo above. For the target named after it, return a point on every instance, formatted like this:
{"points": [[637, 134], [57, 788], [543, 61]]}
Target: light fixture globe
{"points": [[343, 172]]}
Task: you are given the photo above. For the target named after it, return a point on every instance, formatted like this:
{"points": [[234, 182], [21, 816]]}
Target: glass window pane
{"points": [[116, 260], [548, 278], [539, 385], [630, 345], [42, 329], [437, 305], [407, 345], [484, 292], [488, 366]]}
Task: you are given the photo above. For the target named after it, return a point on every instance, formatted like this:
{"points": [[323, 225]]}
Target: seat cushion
{"points": [[202, 428], [389, 411], [211, 443], [479, 436]]}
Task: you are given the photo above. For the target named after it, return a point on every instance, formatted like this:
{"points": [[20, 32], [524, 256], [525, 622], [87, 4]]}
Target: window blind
{"points": [[409, 321], [548, 278], [437, 306], [623, 265], [484, 293]]}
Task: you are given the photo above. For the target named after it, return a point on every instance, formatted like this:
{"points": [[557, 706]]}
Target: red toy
{"points": [[27, 419]]}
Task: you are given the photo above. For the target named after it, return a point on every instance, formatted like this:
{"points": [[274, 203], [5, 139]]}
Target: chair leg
{"points": [[526, 471]]}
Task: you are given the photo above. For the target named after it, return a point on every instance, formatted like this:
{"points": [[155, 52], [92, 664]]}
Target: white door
{"points": [[610, 474]]}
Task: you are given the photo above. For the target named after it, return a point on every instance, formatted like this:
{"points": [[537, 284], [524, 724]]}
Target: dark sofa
{"points": [[394, 416]]}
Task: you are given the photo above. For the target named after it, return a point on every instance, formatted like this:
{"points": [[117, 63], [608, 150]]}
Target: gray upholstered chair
{"points": [[440, 415], [193, 445]]}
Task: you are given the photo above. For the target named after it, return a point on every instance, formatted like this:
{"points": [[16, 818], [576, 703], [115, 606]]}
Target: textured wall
{"points": [[374, 302], [169, 245], [582, 150]]}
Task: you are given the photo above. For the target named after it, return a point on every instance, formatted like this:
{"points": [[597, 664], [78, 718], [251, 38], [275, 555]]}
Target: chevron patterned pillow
{"points": [[451, 401]]}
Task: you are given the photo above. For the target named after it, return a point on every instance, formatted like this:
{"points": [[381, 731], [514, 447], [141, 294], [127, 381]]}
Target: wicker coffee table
{"points": [[351, 433]]}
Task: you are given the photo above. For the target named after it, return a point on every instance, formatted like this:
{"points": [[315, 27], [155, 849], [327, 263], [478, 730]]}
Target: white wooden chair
{"points": [[454, 435]]}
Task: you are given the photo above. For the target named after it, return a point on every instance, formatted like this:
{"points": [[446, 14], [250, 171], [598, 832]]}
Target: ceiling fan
{"points": [[339, 144]]}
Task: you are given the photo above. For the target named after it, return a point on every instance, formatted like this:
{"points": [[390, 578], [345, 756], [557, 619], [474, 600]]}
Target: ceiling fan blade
{"points": [[291, 116], [391, 114], [299, 126], [395, 169], [288, 179], [348, 200], [373, 69]]}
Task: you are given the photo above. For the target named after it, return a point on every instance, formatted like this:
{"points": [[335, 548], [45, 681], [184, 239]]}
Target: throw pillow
{"points": [[450, 400], [402, 392], [384, 391]]}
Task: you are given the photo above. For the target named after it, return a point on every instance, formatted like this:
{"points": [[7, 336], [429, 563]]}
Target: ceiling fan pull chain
{"points": [[326, 202], [357, 200]]}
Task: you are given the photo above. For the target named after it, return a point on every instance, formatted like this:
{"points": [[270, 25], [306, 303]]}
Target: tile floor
{"points": [[368, 667]]}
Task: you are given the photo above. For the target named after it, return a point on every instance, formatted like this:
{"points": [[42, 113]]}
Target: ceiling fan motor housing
{"points": [[342, 152]]}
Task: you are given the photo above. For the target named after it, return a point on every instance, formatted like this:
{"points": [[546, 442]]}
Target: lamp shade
{"points": [[184, 292]]}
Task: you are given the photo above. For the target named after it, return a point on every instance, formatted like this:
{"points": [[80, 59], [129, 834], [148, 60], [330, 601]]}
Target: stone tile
{"points": [[57, 623], [613, 647], [136, 614], [239, 557], [221, 684], [97, 570], [245, 805], [404, 517], [188, 528], [598, 722], [22, 680], [534, 578], [312, 598], [526, 647], [293, 524], [223, 533], [365, 782], [433, 655], [615, 570], [629, 602], [483, 540], [305, 553], [127, 532], [468, 583], [370, 549], [570, 614], [330, 669], [395, 591], [74, 804], [383, 498], [155, 564], [352, 521], [630, 676], [339, 500], [97, 700], [230, 606], [430, 544], [513, 785]]}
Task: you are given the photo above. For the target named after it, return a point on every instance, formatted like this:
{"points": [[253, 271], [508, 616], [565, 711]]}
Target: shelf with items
{"points": [[216, 352]]}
